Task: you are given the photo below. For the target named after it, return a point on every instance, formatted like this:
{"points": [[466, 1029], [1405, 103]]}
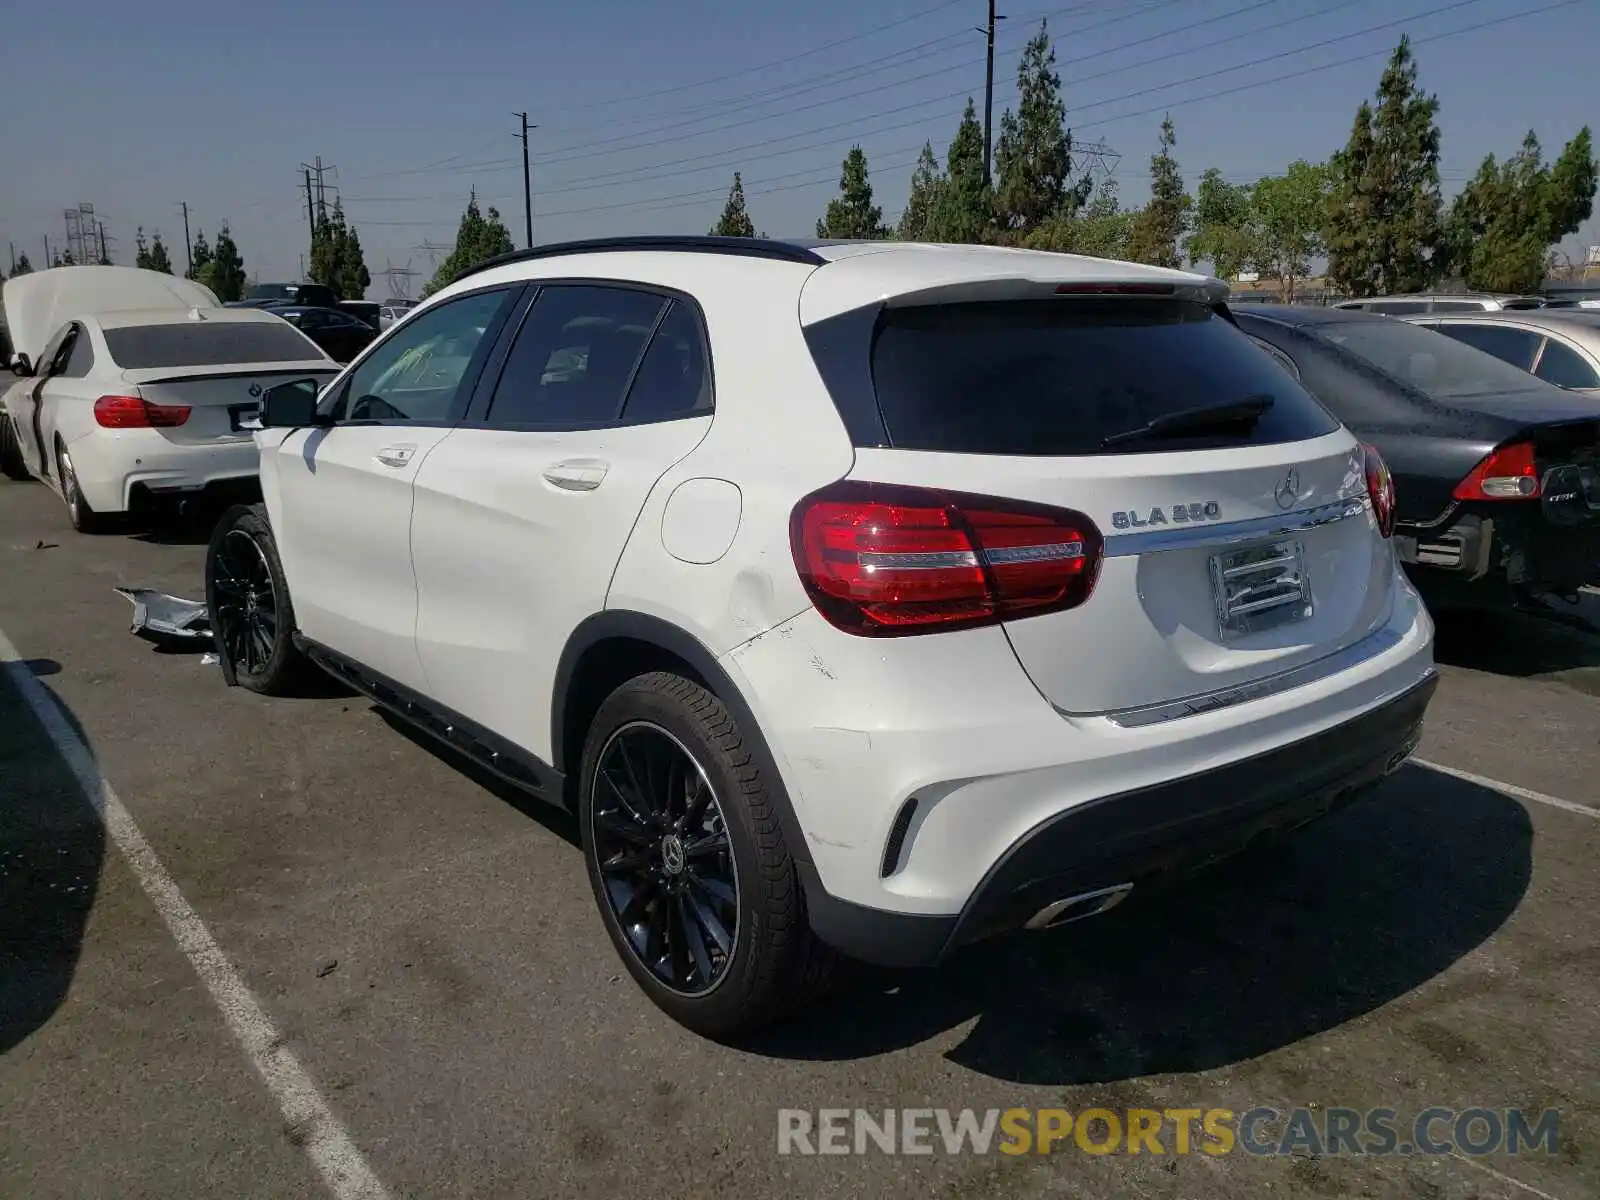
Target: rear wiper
{"points": [[1194, 420]]}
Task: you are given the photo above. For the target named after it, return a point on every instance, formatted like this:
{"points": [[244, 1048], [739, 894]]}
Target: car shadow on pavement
{"points": [[1518, 645], [1262, 952], [51, 849]]}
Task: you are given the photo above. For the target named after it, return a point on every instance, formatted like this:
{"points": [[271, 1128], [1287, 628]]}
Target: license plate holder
{"points": [[239, 413], [1260, 587]]}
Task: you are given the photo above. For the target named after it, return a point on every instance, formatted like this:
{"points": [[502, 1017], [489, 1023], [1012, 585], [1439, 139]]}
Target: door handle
{"points": [[577, 474], [395, 456]]}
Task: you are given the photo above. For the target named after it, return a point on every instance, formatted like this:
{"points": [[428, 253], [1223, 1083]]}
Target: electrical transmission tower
{"points": [[433, 250], [84, 241], [1095, 158], [399, 280]]}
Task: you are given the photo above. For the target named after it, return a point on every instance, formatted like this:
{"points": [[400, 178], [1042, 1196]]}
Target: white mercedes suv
{"points": [[860, 599]]}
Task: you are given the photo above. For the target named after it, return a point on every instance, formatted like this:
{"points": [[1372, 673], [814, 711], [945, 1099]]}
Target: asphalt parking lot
{"points": [[423, 948]]}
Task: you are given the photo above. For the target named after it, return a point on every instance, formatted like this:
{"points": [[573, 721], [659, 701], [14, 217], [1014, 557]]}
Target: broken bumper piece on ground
{"points": [[168, 620]]}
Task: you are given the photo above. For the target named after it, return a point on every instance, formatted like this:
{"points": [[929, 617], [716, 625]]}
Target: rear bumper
{"points": [[1134, 837], [1491, 551], [119, 470]]}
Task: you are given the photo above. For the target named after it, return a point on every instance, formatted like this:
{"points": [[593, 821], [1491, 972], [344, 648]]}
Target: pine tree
{"points": [[323, 266], [159, 260], [1289, 211], [926, 181], [1384, 225], [481, 235], [223, 271], [735, 220], [962, 207], [354, 278], [201, 254], [853, 215], [23, 267], [1502, 224], [1034, 170], [141, 251], [1160, 225]]}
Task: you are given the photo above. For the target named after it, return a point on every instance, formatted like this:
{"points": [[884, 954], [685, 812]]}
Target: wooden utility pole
{"points": [[527, 179], [311, 212], [988, 102], [188, 245]]}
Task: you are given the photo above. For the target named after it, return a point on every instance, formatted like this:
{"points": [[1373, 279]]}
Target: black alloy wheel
{"points": [[246, 611], [661, 843]]}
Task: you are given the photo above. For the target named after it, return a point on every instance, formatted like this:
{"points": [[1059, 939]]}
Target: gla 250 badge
{"points": [[1177, 514]]}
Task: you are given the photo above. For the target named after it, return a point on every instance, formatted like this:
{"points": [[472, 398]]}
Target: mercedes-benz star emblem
{"points": [[1289, 490], [255, 389], [673, 857]]}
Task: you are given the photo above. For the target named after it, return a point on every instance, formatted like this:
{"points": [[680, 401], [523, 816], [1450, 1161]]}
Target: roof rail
{"points": [[691, 243]]}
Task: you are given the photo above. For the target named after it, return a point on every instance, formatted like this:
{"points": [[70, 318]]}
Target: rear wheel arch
{"points": [[612, 647]]}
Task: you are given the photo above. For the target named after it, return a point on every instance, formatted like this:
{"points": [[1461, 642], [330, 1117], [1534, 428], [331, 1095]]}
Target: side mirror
{"points": [[290, 405], [20, 366]]}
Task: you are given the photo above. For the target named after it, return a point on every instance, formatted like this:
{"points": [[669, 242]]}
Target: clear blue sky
{"points": [[645, 109]]}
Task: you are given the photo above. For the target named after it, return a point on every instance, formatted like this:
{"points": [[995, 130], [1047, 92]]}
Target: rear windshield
{"points": [[1054, 377], [202, 344], [1437, 366]]}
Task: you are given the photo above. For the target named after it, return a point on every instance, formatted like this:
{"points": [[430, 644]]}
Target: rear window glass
{"points": [[1435, 365], [1056, 377], [202, 344]]}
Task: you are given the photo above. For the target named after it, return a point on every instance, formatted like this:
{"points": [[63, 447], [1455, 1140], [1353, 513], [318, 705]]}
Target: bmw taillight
{"points": [[1508, 473], [886, 559], [134, 412], [1380, 489]]}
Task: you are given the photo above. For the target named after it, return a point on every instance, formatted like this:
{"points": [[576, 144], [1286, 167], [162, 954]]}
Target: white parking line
{"points": [[1510, 789], [332, 1152]]}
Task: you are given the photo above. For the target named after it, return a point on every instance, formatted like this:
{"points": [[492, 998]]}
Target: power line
{"points": [[1343, 62], [451, 165], [655, 171], [622, 175], [784, 92], [810, 173], [766, 66], [707, 193], [557, 156]]}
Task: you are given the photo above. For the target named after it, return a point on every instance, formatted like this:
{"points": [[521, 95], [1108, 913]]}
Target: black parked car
{"points": [[340, 335], [1497, 473]]}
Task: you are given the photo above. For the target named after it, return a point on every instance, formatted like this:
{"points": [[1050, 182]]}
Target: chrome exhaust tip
{"points": [[1076, 908]]}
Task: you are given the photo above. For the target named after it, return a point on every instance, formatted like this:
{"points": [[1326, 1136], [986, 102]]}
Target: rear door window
{"points": [[1058, 377], [575, 357], [1564, 367], [1515, 346], [1395, 308]]}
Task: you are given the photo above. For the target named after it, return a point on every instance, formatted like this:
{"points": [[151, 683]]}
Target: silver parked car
{"points": [[1560, 345], [1415, 303]]}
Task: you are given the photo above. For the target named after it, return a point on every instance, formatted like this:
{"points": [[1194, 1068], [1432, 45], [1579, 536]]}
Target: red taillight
{"points": [[1508, 473], [131, 412], [1380, 488], [882, 559]]}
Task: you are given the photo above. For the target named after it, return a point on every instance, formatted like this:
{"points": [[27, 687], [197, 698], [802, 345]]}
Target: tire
{"points": [[252, 617], [12, 464], [773, 963], [84, 518]]}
